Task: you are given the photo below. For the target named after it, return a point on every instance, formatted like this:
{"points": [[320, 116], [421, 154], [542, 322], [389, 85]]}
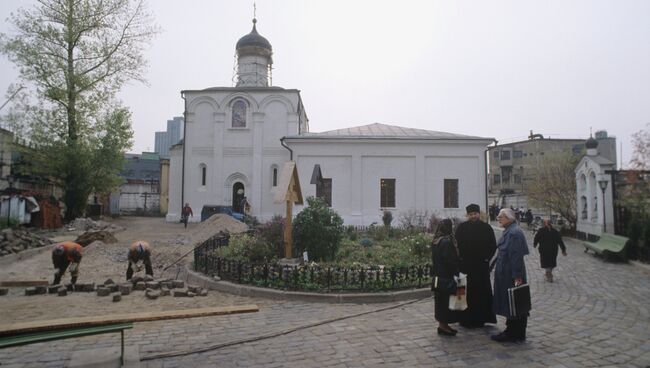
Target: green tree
{"points": [[554, 185], [74, 56], [318, 230]]}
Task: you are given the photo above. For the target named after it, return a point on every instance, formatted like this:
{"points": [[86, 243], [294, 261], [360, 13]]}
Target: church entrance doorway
{"points": [[237, 196]]}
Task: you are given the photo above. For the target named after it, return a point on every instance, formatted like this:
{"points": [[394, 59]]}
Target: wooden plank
{"points": [[24, 283], [63, 323]]}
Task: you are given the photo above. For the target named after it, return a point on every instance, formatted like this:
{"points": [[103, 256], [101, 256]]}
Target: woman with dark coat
{"points": [[444, 258], [548, 239], [509, 271]]}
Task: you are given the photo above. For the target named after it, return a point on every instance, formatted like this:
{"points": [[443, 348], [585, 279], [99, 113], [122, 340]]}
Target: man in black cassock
{"points": [[476, 246]]}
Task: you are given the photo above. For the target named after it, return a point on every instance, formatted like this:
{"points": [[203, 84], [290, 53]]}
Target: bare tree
{"points": [[641, 145], [554, 185]]}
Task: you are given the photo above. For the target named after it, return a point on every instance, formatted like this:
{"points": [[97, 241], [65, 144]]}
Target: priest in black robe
{"points": [[476, 246]]}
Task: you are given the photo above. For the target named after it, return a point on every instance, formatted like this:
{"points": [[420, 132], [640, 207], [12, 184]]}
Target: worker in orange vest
{"points": [[139, 251], [63, 255]]}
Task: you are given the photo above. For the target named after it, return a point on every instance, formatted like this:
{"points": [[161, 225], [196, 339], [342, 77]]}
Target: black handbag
{"points": [[444, 285]]}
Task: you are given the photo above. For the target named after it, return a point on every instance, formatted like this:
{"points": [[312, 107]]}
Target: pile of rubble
{"points": [[17, 240], [153, 289], [86, 224]]}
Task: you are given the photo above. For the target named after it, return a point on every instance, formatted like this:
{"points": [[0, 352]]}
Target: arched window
{"points": [[203, 170], [239, 114]]}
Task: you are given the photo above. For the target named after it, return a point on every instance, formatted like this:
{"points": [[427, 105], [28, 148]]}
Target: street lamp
{"points": [[603, 185]]}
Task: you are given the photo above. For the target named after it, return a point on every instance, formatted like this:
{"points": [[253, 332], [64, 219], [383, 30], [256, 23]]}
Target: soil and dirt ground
{"points": [[103, 261]]}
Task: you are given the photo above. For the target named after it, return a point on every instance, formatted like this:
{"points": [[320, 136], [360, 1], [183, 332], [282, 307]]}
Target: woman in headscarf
{"points": [[444, 258]]}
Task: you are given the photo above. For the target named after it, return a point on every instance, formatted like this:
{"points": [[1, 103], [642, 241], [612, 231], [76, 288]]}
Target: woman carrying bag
{"points": [[444, 258]]}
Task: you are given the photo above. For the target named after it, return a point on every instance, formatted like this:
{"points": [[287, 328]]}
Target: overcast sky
{"points": [[487, 68]]}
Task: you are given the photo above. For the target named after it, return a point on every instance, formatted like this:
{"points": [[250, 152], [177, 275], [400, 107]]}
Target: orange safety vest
{"points": [[68, 247]]}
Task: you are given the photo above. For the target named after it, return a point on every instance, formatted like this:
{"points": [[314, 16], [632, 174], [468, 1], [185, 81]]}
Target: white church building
{"points": [[237, 139]]}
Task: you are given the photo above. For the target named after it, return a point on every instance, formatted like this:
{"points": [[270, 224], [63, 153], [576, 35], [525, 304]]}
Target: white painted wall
{"points": [[588, 172]]}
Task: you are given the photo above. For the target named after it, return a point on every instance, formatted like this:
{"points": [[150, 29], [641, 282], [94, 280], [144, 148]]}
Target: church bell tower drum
{"points": [[254, 60]]}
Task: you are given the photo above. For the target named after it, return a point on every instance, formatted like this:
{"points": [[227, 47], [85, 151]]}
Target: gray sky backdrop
{"points": [[488, 68]]}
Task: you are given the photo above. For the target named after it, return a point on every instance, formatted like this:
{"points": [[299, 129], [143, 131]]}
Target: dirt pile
{"points": [[215, 224], [91, 236], [86, 224], [17, 240]]}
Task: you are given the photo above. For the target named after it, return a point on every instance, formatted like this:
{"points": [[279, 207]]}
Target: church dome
{"points": [[254, 39], [591, 143]]}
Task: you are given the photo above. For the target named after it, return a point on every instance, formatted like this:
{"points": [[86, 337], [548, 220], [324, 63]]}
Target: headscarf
{"points": [[444, 229]]}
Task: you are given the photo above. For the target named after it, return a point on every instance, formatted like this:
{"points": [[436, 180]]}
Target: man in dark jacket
{"points": [[548, 239], [476, 246]]}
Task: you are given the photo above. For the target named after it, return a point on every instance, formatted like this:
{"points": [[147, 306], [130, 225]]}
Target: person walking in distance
{"points": [[476, 246], [548, 240], [63, 255], [139, 251], [186, 213]]}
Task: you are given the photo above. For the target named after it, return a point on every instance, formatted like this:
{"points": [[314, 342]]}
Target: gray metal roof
{"points": [[377, 130]]}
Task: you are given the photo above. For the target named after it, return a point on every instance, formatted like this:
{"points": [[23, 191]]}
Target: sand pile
{"points": [[215, 224]]}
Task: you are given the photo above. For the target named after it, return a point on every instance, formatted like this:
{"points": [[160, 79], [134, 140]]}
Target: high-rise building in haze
{"points": [[166, 139]]}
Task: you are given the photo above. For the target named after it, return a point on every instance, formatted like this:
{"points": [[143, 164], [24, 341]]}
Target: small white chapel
{"points": [[237, 139]]}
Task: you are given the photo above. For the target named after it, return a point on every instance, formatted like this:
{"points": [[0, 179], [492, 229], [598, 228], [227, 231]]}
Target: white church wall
{"points": [[356, 168], [175, 175]]}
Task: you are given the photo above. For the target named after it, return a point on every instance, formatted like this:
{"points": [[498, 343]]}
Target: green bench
{"points": [[17, 339], [609, 246]]}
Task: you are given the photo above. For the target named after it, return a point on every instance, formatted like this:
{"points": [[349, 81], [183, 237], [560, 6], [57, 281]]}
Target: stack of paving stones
{"points": [[17, 240], [153, 289]]}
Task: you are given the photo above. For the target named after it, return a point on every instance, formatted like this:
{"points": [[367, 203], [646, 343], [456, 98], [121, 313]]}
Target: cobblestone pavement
{"points": [[595, 314]]}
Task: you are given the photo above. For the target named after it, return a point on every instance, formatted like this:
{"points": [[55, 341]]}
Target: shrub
{"points": [[318, 229], [377, 233], [419, 244], [365, 242], [273, 232], [414, 219], [387, 218], [244, 247]]}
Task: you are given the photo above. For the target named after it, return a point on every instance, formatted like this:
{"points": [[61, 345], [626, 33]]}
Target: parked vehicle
{"points": [[209, 210]]}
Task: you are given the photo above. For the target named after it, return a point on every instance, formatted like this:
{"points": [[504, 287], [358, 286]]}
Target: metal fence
{"points": [[308, 277]]}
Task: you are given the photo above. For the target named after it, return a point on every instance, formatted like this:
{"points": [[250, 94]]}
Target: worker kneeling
{"points": [[63, 255], [139, 251]]}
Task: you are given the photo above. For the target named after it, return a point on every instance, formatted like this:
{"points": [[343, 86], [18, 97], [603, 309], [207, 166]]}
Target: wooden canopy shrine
{"points": [[288, 192]]}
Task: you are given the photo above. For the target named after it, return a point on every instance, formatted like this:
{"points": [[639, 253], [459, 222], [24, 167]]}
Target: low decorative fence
{"points": [[308, 277]]}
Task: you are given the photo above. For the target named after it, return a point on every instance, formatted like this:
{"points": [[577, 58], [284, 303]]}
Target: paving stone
{"points": [[152, 294], [194, 289], [152, 285], [117, 297], [109, 282], [103, 291], [125, 289], [180, 293], [62, 291], [165, 292], [89, 287], [178, 284], [583, 319], [203, 292], [30, 291], [41, 289], [136, 279], [53, 289], [140, 286], [191, 294], [4, 291], [167, 284], [147, 278]]}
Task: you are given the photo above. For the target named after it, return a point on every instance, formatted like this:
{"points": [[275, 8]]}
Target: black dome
{"points": [[591, 143], [254, 39]]}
